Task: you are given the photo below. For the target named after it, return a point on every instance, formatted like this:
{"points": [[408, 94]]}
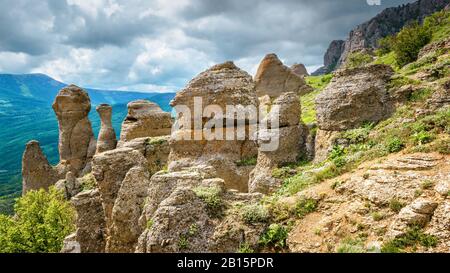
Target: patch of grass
{"points": [[275, 236], [212, 199], [255, 213], [387, 59], [358, 59], [247, 162], [245, 248], [308, 104], [394, 145], [378, 216], [305, 206], [422, 137], [149, 224], [420, 95], [396, 205], [193, 230], [413, 236], [183, 242], [88, 182], [427, 184], [349, 245], [155, 140]]}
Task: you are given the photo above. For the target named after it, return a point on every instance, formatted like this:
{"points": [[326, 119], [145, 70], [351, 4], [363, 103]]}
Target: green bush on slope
{"points": [[42, 221]]}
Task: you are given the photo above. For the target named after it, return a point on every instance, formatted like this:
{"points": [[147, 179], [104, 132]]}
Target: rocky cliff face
{"points": [[331, 58], [366, 35]]}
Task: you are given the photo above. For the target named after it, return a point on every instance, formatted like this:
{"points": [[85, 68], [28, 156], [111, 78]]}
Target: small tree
{"points": [[409, 41], [42, 221]]}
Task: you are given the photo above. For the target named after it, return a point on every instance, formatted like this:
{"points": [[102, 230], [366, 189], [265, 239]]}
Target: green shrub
{"points": [[378, 216], [409, 41], [427, 184], [394, 145], [358, 59], [350, 245], [247, 162], [183, 242], [255, 213], [422, 137], [88, 182], [385, 45], [42, 221], [413, 236], [212, 199], [396, 205], [305, 206], [245, 248], [275, 236], [420, 95], [149, 224]]}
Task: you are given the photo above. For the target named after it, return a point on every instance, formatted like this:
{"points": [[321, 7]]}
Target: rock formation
{"points": [[91, 226], [273, 79], [366, 35], [331, 57], [107, 136], [290, 135], [353, 97], [125, 229], [144, 119], [222, 85], [300, 70], [76, 139], [37, 173]]}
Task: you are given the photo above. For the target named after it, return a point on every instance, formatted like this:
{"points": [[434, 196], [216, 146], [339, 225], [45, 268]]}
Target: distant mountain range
{"points": [[26, 114]]}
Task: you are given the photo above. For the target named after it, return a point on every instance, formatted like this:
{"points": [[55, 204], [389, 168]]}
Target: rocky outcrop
{"points": [[155, 149], [273, 78], [144, 119], [76, 139], [125, 230], [109, 169], [331, 58], [299, 69], [107, 136], [290, 135], [353, 97], [222, 85], [91, 227], [37, 173]]}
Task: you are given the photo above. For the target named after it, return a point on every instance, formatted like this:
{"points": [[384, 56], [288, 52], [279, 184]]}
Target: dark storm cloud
{"points": [[160, 44]]}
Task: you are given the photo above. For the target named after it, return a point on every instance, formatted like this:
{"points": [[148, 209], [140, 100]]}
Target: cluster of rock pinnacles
{"points": [[138, 194]]}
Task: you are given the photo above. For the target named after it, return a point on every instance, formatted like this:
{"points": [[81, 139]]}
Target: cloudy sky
{"points": [[159, 45]]}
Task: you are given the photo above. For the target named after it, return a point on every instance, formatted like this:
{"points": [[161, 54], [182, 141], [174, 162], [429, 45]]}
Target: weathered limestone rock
{"points": [[273, 79], [109, 169], [91, 227], [300, 70], [107, 136], [291, 138], [37, 173], [440, 225], [221, 85], [418, 213], [353, 97], [172, 222], [155, 149], [125, 230], [144, 119], [76, 139]]}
